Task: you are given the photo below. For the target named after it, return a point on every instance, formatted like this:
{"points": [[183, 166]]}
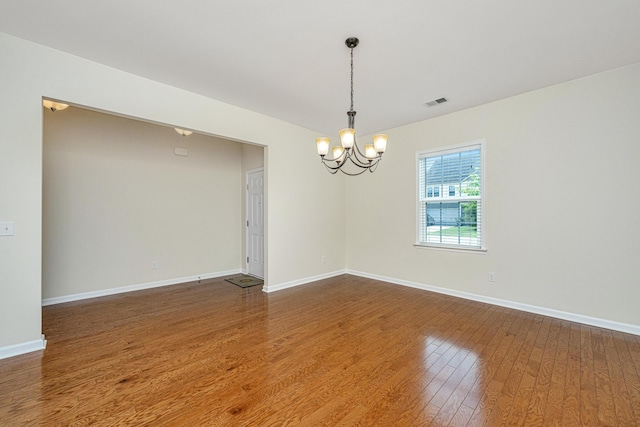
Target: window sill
{"points": [[479, 251]]}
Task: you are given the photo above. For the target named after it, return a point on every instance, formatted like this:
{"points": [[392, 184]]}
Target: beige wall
{"points": [[300, 225], [116, 198], [252, 157], [561, 201]]}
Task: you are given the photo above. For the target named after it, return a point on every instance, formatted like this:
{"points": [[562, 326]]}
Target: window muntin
{"points": [[452, 215]]}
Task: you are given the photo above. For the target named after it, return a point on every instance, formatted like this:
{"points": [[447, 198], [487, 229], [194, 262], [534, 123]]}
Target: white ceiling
{"points": [[287, 58]]}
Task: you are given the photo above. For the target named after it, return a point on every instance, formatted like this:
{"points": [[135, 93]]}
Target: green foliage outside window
{"points": [[469, 212]]}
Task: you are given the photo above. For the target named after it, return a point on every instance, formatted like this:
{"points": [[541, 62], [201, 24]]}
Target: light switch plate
{"points": [[6, 228]]}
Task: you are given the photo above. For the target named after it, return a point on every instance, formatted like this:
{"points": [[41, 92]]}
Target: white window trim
{"points": [[446, 150]]}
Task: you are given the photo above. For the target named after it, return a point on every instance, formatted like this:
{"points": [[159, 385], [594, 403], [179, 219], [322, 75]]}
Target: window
{"points": [[452, 218]]}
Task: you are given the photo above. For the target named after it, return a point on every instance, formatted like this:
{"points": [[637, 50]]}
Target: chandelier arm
{"points": [[353, 174], [364, 168], [332, 168], [359, 162], [332, 171], [355, 144], [373, 167], [363, 165], [362, 159]]}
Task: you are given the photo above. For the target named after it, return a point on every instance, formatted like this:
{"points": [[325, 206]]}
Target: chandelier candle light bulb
{"points": [[348, 158], [370, 152], [347, 138], [323, 144], [380, 142]]}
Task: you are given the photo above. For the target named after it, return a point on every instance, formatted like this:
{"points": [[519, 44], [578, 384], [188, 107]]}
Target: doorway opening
{"points": [[130, 204]]}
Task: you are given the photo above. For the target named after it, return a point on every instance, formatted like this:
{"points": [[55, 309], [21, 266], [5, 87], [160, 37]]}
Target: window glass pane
{"points": [[451, 168], [457, 176], [470, 173], [434, 171], [469, 214], [453, 223]]}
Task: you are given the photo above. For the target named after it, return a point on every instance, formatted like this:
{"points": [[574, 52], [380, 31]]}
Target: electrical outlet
{"points": [[492, 276], [324, 259], [154, 265]]}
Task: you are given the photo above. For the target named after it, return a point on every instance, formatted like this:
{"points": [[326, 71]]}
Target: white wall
{"points": [[116, 198], [300, 225], [562, 200]]}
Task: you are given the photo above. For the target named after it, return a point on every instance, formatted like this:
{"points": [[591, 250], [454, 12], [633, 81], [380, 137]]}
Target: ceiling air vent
{"points": [[435, 102]]}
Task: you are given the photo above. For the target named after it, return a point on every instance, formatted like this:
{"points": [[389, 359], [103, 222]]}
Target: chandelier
{"points": [[347, 157]]}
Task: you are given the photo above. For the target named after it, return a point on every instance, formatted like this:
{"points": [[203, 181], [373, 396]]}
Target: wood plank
{"points": [[523, 395], [491, 355], [588, 403], [617, 373], [537, 404], [338, 352], [571, 402], [457, 330], [409, 395], [632, 379], [604, 385], [555, 397], [512, 381], [409, 407], [491, 394]]}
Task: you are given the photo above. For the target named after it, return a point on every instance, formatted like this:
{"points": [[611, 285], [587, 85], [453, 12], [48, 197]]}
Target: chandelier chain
{"points": [[351, 79]]}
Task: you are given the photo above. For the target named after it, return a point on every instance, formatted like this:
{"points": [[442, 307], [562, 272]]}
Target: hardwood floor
{"points": [[340, 352]]}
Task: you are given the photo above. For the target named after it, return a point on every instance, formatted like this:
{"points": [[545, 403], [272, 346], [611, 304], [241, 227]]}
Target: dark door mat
{"points": [[245, 281]]}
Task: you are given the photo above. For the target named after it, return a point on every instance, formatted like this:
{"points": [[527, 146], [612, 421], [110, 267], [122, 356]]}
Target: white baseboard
{"points": [[22, 348], [587, 320], [281, 286], [572, 317], [139, 287]]}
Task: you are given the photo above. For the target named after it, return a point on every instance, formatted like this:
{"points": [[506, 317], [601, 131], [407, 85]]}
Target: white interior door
{"points": [[255, 223]]}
